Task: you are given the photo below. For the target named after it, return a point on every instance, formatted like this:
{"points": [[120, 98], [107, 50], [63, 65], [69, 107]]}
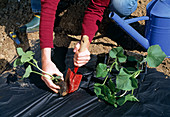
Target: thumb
{"points": [[77, 47], [58, 73]]}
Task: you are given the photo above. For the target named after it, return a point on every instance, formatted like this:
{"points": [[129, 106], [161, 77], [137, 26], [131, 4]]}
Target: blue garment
{"points": [[36, 6], [123, 7]]}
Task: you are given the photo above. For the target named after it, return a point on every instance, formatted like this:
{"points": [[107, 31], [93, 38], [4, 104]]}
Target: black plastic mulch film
{"points": [[31, 97]]}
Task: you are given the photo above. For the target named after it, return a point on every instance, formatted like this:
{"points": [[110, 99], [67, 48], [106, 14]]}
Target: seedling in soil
{"points": [[120, 89], [27, 57]]}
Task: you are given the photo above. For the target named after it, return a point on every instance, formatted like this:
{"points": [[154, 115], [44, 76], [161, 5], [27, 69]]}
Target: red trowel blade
{"points": [[73, 80]]}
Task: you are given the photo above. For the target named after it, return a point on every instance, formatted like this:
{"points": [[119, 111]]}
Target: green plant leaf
{"points": [[101, 89], [26, 57], [106, 91], [29, 53], [132, 58], [112, 86], [117, 66], [103, 92], [136, 74], [113, 53], [101, 70], [98, 90], [20, 51], [155, 56], [131, 97], [35, 61], [27, 72], [131, 69], [128, 97], [134, 82], [17, 62], [111, 99], [118, 53], [121, 57], [123, 80], [115, 105], [121, 101]]}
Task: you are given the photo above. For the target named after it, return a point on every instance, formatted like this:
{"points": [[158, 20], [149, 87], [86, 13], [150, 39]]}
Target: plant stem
{"points": [[109, 72], [41, 69], [41, 74], [123, 94], [113, 64], [132, 91], [144, 60], [105, 80]]}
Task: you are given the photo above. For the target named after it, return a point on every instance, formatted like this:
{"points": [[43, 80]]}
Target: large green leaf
{"points": [[27, 72], [155, 56], [101, 70], [98, 89], [17, 62], [27, 56], [128, 97], [20, 51], [123, 80], [118, 53], [103, 92]]}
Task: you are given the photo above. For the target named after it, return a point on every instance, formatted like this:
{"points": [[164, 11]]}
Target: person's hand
{"points": [[49, 67], [81, 58]]}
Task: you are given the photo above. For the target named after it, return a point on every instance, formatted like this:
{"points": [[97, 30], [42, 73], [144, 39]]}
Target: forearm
{"points": [[45, 54], [93, 17], [48, 11]]}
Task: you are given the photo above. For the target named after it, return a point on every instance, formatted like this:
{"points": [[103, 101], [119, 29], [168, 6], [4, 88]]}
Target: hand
{"points": [[81, 58], [50, 67]]}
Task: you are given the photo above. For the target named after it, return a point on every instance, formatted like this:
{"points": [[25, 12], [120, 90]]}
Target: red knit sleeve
{"points": [[48, 11], [93, 17]]}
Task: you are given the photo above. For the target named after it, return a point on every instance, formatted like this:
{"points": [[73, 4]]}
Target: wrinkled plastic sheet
{"points": [[31, 97]]}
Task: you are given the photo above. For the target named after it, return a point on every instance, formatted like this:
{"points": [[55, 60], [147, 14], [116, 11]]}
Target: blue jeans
{"points": [[123, 7], [36, 6]]}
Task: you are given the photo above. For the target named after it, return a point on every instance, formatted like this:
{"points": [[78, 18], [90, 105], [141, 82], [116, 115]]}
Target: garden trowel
{"points": [[72, 78]]}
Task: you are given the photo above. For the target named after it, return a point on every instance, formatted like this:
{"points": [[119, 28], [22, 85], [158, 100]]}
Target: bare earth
{"points": [[67, 30]]}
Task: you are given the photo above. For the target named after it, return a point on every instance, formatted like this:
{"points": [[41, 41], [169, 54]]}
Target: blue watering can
{"points": [[157, 25]]}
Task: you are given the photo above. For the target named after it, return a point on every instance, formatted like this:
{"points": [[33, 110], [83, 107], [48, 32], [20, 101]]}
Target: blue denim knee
{"points": [[36, 6], [123, 7]]}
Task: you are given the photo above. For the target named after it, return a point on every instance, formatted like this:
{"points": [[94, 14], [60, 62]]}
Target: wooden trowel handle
{"points": [[84, 43]]}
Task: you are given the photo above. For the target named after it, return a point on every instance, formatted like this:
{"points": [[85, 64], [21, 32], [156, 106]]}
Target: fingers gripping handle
{"points": [[84, 43]]}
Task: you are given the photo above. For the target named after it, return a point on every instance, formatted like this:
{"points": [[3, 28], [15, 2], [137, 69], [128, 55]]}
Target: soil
{"points": [[64, 88], [67, 31]]}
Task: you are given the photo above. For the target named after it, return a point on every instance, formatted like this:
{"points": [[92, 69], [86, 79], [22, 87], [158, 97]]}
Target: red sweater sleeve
{"points": [[48, 11], [93, 17]]}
